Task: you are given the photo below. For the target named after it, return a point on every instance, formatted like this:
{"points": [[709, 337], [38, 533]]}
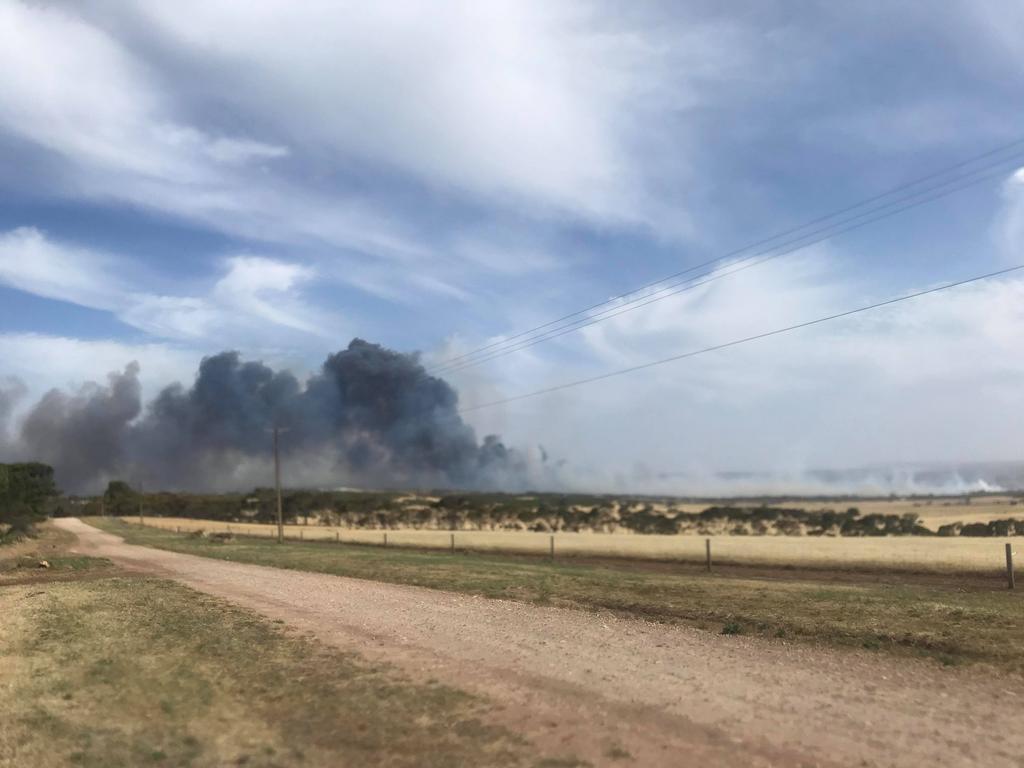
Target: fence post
{"points": [[385, 538], [707, 547], [1009, 565], [337, 537], [552, 548], [177, 529], [453, 543], [300, 534]]}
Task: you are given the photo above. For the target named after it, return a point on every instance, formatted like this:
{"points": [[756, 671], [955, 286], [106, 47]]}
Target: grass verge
{"points": [[953, 625], [45, 557], [141, 671]]}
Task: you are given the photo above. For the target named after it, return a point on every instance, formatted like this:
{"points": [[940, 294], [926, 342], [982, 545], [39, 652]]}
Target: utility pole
{"points": [[277, 485]]}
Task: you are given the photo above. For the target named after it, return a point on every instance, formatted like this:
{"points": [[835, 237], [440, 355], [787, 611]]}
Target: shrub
{"points": [[27, 495], [975, 529]]}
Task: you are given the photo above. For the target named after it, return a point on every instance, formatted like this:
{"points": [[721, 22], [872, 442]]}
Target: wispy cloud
{"points": [[114, 132], [547, 110], [254, 297], [32, 263]]}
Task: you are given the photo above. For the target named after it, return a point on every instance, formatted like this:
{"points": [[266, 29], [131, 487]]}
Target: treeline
{"points": [[259, 505], [547, 513], [792, 522], [1008, 527]]}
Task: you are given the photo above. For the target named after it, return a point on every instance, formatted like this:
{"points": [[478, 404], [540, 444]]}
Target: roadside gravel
{"points": [[602, 687]]}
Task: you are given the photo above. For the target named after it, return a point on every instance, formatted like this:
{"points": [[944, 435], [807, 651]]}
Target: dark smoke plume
{"points": [[369, 417]]}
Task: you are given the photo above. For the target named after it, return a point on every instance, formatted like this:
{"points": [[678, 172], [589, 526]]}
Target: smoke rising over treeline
{"points": [[370, 417]]}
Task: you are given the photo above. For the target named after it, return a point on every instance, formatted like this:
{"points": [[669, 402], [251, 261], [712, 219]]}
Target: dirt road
{"points": [[599, 687]]}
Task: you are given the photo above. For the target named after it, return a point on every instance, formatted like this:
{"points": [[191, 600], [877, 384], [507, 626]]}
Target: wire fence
{"points": [[926, 554]]}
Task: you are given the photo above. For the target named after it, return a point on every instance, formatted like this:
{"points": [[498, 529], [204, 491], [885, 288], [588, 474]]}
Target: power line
{"points": [[799, 242], [491, 350], [755, 259], [737, 342]]}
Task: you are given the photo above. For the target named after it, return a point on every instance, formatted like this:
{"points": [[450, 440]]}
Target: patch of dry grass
{"points": [[140, 671], [908, 553]]}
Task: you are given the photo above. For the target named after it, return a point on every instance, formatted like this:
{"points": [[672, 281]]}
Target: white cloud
{"points": [[265, 289], [553, 109], [44, 361], [119, 135], [256, 300], [82, 95], [504, 99], [30, 262], [170, 317], [936, 378]]}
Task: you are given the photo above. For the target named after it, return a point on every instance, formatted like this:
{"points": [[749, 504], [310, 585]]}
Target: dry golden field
{"points": [[917, 553]]}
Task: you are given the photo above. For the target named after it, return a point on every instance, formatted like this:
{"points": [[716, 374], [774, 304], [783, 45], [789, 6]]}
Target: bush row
{"points": [[535, 512]]}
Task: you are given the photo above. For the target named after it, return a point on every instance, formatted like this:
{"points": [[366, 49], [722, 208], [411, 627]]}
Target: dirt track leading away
{"points": [[597, 686]]}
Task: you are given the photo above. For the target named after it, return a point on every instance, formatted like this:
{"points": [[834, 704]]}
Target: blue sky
{"points": [[181, 178]]}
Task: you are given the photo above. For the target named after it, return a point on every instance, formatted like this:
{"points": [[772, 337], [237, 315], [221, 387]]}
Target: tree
{"points": [[27, 493], [120, 498]]}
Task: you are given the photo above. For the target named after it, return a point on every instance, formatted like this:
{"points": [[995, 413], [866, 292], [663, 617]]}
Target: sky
{"points": [[180, 179]]}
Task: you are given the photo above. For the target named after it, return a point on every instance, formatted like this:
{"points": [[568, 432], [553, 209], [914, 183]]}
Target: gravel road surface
{"points": [[599, 687]]}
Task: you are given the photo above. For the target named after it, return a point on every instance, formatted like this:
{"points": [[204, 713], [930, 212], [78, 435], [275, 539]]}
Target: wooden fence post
{"points": [[1009, 565], [453, 543], [552, 548], [337, 537], [385, 538], [707, 547]]}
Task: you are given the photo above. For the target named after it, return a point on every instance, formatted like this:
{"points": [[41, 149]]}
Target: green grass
{"points": [[140, 671], [19, 561], [951, 624]]}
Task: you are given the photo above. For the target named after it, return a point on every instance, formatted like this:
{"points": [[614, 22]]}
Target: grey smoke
{"points": [[370, 417], [82, 435], [11, 391]]}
